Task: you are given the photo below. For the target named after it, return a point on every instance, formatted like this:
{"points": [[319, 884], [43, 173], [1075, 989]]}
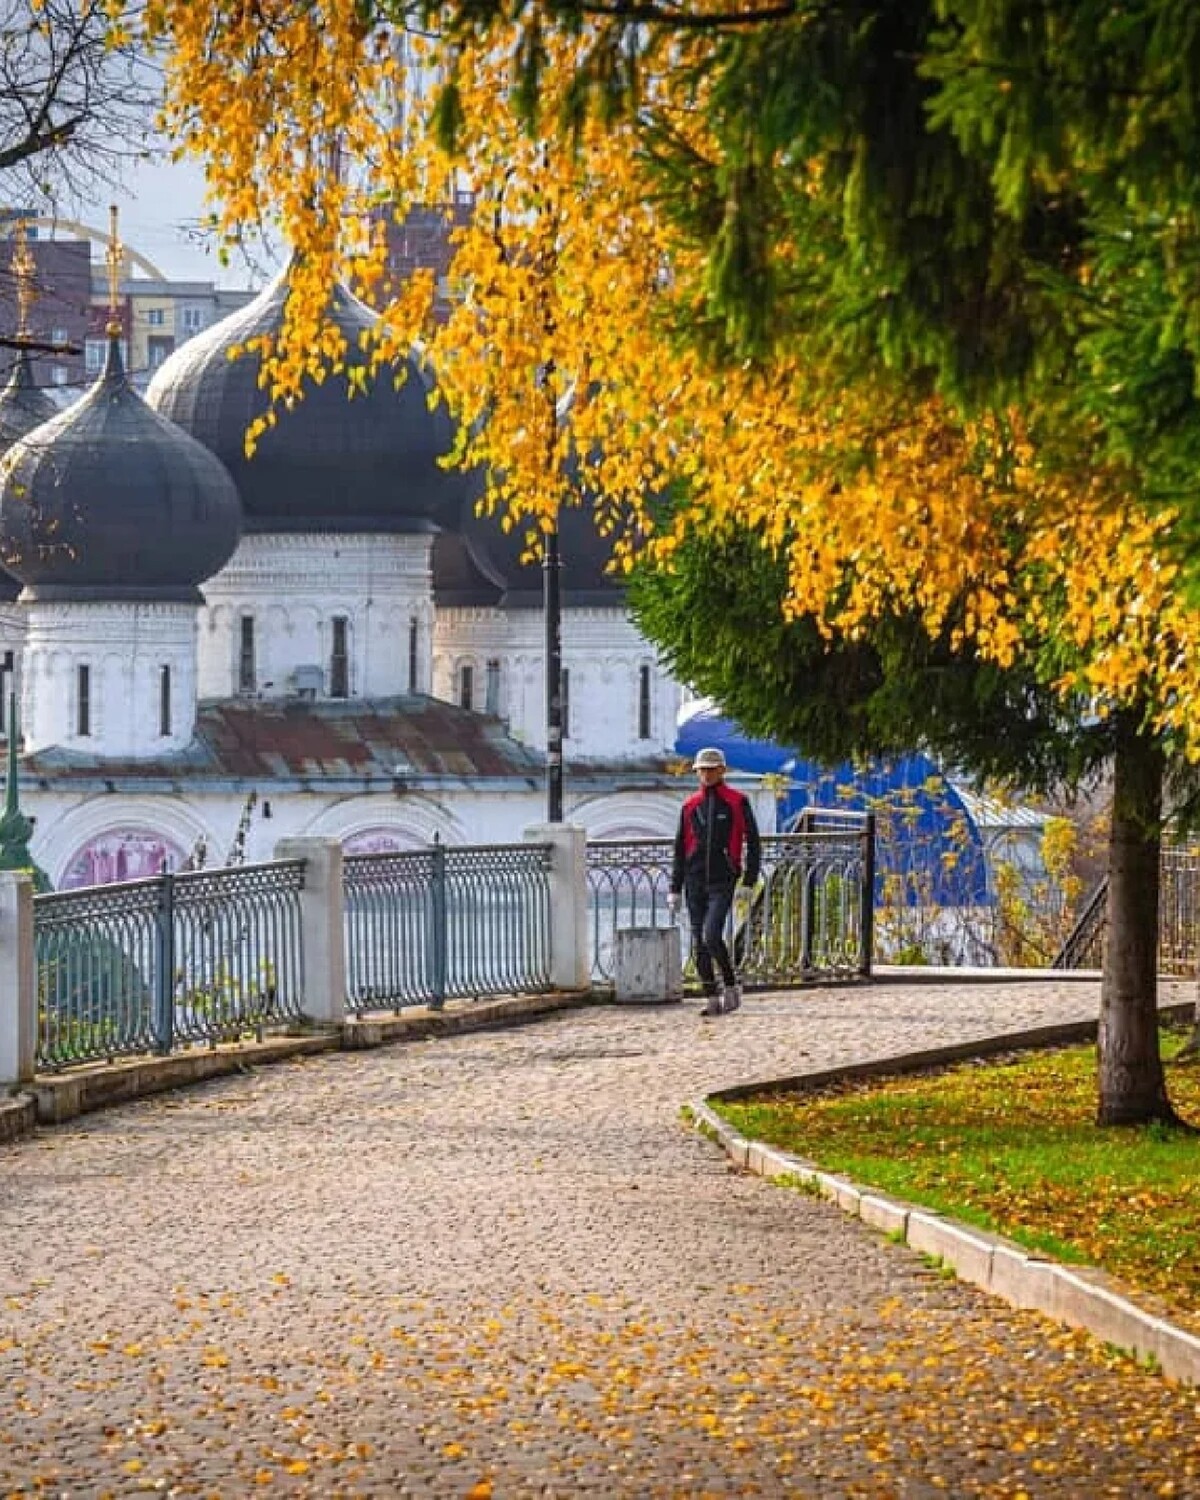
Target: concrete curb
{"points": [[17, 1116], [52, 1099], [1061, 1033], [1079, 1296]]}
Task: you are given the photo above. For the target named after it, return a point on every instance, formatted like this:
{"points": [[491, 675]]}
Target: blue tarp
{"points": [[929, 850]]}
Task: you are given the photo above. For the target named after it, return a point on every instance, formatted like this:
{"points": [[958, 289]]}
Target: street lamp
{"points": [[552, 602]]}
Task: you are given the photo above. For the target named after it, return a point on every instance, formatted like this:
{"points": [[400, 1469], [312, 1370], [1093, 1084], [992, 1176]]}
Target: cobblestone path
{"points": [[500, 1265]]}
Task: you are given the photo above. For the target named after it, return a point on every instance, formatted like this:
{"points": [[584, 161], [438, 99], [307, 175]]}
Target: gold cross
{"points": [[24, 266], [113, 257]]}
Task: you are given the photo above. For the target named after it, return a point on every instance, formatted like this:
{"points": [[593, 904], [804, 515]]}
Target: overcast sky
{"points": [[161, 206]]}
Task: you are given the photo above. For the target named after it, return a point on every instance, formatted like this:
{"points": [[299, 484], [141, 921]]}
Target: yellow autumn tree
{"points": [[582, 353]]}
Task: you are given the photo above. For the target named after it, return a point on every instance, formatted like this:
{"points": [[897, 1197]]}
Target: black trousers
{"points": [[708, 908]]}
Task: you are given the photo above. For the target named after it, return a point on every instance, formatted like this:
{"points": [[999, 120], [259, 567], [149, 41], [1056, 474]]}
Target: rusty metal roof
{"points": [[314, 743]]}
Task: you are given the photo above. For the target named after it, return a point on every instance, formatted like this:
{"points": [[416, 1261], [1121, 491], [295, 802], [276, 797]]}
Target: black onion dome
{"points": [[583, 552], [456, 579], [22, 405], [109, 500], [332, 463]]}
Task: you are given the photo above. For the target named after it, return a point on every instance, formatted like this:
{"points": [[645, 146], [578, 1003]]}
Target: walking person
{"points": [[716, 845]]}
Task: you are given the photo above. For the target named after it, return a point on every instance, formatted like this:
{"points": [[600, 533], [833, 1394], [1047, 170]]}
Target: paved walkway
{"points": [[500, 1265]]}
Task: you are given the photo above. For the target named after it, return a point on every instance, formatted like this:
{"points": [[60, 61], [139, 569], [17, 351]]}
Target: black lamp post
{"points": [[552, 599]]}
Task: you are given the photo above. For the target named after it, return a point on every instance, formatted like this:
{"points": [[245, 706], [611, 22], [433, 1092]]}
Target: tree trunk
{"points": [[1133, 1088]]}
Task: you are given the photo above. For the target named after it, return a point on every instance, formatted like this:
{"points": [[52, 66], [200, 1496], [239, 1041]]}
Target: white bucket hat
{"points": [[709, 759]]}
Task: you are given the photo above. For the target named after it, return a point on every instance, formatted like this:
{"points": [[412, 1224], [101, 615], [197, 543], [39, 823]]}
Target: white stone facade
{"points": [[621, 703], [109, 679], [270, 627]]}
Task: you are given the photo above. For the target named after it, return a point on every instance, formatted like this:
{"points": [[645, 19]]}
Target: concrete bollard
{"points": [[648, 966]]}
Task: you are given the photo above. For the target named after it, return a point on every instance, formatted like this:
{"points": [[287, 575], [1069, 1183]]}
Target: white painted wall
{"points": [[294, 586], [66, 822], [125, 647], [602, 651]]}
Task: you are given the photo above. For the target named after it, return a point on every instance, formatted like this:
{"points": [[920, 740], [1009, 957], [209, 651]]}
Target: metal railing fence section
{"points": [[1178, 918], [808, 917], [1179, 909], [238, 955], [498, 919], [145, 965], [449, 922], [391, 932], [98, 953]]}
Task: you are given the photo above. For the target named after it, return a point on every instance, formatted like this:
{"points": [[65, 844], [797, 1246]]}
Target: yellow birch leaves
{"points": [[561, 352]]}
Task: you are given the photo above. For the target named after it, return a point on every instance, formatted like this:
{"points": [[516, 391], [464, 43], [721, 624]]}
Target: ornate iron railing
{"points": [[428, 925], [810, 915], [1178, 918], [149, 965]]}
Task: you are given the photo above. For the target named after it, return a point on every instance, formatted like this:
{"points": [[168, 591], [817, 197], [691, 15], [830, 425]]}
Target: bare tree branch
{"points": [[75, 100]]}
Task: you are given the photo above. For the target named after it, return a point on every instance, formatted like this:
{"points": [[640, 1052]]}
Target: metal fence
{"points": [[1178, 918], [147, 965], [428, 925], [809, 916]]}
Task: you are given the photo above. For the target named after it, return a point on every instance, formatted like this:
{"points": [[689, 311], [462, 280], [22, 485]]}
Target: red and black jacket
{"points": [[717, 842]]}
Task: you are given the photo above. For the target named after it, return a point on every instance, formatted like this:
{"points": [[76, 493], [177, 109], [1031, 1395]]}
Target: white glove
{"points": [[673, 902]]}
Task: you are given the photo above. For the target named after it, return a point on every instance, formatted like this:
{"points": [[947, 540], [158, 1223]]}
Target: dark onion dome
{"points": [[22, 405], [584, 554], [456, 579], [110, 501], [332, 463]]}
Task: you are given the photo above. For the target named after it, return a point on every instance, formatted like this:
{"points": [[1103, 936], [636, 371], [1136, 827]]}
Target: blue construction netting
{"points": [[929, 851]]}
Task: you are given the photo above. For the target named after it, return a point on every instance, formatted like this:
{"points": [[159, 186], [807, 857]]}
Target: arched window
{"points": [[247, 671], [164, 700], [643, 707], [466, 685], [491, 700], [83, 700], [339, 658]]}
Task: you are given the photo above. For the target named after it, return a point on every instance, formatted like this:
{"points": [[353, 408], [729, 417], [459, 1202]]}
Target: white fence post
{"points": [[322, 929], [18, 980], [570, 967]]}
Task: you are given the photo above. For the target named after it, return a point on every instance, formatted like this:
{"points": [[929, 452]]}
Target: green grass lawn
{"points": [[1011, 1146]]}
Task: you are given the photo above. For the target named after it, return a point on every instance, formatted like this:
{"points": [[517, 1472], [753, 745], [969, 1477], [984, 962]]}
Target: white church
{"points": [[212, 653]]}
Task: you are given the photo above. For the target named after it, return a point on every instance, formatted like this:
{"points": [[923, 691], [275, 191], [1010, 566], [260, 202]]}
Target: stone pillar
{"points": [[322, 931], [18, 979], [570, 968]]}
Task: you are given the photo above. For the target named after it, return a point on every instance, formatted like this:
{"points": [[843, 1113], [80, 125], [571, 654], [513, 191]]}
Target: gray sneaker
{"points": [[712, 1006], [732, 998]]}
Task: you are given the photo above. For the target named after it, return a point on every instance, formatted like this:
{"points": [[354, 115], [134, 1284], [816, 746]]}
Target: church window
{"points": [[339, 659], [414, 642], [466, 686], [247, 671], [565, 699], [164, 700], [644, 703], [491, 701], [83, 701]]}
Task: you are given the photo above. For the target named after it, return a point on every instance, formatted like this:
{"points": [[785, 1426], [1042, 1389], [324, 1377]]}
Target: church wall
{"points": [[603, 654], [126, 649], [118, 834], [293, 588]]}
